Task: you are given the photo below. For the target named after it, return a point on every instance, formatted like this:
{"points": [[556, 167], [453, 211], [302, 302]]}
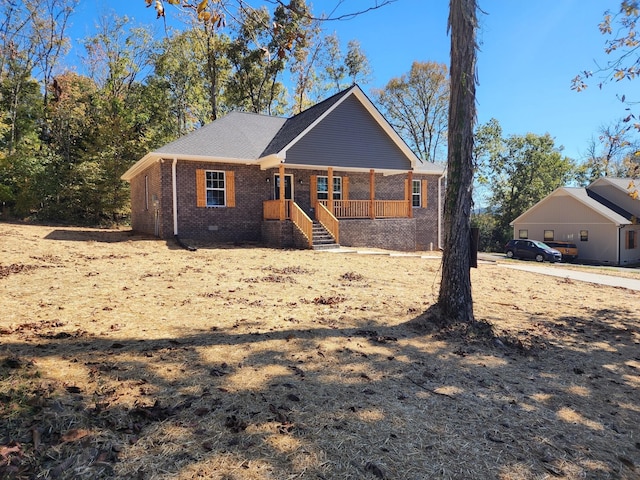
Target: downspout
{"points": [[444, 174], [620, 239], [174, 188]]}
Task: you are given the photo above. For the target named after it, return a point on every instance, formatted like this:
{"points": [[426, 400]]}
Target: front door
{"points": [[288, 187]]}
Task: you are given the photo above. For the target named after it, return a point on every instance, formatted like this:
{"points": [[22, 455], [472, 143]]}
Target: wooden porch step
{"points": [[322, 240]]}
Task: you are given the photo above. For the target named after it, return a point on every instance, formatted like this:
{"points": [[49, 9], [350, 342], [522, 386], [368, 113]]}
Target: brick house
{"points": [[335, 171]]}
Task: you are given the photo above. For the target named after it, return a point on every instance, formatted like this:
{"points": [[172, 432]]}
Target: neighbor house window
{"points": [[416, 193], [632, 241], [548, 235], [323, 188], [215, 189], [523, 234], [584, 235]]}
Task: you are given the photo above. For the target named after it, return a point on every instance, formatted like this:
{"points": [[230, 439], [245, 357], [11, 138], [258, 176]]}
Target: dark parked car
{"points": [[533, 249]]}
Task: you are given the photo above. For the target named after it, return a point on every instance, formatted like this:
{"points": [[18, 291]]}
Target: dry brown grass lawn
{"points": [[126, 357]]}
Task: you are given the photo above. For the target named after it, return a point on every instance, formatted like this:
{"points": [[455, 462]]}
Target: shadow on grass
{"points": [[410, 401]]}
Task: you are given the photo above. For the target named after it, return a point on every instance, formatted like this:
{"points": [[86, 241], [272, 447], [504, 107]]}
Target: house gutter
{"points": [[444, 174], [620, 237], [174, 190]]}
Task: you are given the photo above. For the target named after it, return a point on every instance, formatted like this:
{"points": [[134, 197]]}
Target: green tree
{"points": [[180, 67], [341, 69], [258, 55], [119, 56], [357, 64], [416, 104], [520, 172]]}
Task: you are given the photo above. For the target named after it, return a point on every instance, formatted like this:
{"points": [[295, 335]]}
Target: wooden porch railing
{"points": [[271, 210], [328, 221], [301, 220], [362, 208]]}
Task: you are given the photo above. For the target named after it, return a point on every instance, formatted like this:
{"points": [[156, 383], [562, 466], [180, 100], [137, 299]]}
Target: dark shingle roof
{"points": [[297, 124], [609, 204], [236, 135]]}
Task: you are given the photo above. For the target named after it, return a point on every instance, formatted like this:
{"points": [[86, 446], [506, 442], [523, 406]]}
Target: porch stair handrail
{"points": [[301, 220], [328, 221]]}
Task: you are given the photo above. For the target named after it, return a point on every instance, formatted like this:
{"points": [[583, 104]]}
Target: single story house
{"points": [[337, 170], [601, 219]]}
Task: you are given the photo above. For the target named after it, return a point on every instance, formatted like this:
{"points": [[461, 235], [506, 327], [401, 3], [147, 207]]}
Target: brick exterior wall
{"points": [[277, 234], [427, 218], [146, 213], [388, 233], [243, 223]]}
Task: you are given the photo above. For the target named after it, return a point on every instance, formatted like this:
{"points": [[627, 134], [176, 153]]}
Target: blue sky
{"points": [[529, 52]]}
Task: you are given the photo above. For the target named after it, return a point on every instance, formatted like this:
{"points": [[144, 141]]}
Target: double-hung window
{"points": [[416, 193], [215, 188], [323, 188]]}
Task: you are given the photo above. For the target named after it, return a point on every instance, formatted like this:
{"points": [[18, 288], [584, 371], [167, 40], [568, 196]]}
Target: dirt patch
{"points": [[130, 358]]}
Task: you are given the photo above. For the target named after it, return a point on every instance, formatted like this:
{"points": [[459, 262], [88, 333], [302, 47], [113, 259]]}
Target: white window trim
{"points": [[418, 194], [223, 189], [318, 192]]}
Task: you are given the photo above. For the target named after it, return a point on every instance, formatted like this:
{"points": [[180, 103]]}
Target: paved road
{"points": [[579, 275]]}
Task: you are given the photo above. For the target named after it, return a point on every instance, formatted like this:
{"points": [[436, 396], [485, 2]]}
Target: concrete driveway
{"points": [[579, 275]]}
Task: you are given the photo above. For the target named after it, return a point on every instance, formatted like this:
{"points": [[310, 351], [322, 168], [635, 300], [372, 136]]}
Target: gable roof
{"points": [[617, 182], [264, 140], [297, 124], [583, 196]]}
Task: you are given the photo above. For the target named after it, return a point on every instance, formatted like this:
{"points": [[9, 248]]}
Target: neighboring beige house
{"points": [[601, 219]]}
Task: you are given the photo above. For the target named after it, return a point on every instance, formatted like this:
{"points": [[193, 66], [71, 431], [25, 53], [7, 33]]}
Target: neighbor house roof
{"points": [[264, 140], [583, 196]]}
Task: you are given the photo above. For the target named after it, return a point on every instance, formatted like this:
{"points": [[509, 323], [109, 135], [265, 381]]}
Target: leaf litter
{"points": [[361, 385]]}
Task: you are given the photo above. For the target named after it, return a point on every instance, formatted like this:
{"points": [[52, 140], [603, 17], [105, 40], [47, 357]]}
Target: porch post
{"points": [[282, 200], [410, 193], [372, 193], [330, 190]]}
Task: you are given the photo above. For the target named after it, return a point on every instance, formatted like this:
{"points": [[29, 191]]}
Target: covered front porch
{"points": [[330, 202]]}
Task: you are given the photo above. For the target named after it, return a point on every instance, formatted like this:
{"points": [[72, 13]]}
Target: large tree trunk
{"points": [[454, 300]]}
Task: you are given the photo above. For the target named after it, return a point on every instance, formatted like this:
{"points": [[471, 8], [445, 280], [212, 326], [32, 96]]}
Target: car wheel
{"points": [[509, 254], [539, 257]]}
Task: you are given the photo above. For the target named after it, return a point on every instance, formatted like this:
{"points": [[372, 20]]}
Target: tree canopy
{"points": [[518, 171], [417, 105], [65, 139]]}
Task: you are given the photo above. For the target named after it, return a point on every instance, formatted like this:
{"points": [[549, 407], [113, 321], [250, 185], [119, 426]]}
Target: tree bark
{"points": [[455, 300]]}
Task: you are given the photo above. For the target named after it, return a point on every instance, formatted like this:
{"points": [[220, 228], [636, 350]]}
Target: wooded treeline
{"points": [[65, 138]]}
